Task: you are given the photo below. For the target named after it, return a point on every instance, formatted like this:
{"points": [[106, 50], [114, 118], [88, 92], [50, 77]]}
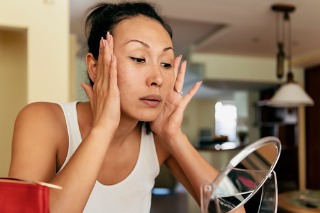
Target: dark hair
{"points": [[103, 17]]}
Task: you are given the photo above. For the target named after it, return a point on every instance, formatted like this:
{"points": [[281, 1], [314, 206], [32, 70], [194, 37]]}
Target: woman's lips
{"points": [[152, 100]]}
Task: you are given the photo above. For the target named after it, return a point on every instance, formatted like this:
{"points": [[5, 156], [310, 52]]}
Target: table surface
{"points": [[300, 202]]}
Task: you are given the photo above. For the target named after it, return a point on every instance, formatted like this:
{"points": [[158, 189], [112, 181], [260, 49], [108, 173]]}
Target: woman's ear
{"points": [[91, 67]]}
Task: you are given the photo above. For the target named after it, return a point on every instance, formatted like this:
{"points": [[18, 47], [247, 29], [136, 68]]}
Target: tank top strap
{"points": [[74, 135]]}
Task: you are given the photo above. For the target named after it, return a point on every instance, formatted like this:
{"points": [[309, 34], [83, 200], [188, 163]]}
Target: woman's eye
{"points": [[166, 65], [138, 60]]}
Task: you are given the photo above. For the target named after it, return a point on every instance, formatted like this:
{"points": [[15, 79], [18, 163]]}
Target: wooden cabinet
{"points": [[312, 77]]}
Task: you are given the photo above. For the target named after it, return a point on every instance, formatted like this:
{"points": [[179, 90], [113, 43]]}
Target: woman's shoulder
{"points": [[39, 133], [40, 123], [41, 114], [41, 110], [41, 105]]}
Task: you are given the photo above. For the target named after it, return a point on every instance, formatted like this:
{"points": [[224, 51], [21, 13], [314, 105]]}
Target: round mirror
{"points": [[248, 175]]}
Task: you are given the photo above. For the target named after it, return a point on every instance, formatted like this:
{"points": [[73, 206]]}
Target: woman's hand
{"points": [[168, 123], [104, 96]]}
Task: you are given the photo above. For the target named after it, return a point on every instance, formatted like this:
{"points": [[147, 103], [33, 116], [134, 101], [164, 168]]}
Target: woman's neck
{"points": [[126, 129]]}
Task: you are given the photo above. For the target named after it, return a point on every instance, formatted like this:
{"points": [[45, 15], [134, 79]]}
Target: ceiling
{"points": [[242, 27]]}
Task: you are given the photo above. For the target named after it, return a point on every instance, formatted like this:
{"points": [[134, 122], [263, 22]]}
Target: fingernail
{"points": [[101, 42], [108, 36]]}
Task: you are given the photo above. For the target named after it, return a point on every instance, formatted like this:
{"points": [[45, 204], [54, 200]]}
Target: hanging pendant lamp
{"points": [[290, 94]]}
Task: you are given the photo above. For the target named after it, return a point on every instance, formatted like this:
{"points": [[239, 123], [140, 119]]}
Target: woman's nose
{"points": [[155, 78]]}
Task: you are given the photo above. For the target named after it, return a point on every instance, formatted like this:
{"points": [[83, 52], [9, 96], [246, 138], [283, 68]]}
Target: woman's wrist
{"points": [[174, 143], [101, 133]]}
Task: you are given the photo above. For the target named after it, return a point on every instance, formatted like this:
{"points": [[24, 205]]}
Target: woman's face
{"points": [[145, 59]]}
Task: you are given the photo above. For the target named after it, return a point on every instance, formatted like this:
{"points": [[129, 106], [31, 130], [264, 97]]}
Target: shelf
{"points": [[273, 124]]}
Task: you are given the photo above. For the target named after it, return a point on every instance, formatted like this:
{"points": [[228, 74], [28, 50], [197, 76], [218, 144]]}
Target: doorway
{"points": [[13, 87]]}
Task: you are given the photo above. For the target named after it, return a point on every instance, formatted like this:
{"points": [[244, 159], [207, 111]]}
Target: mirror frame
{"points": [[242, 155]]}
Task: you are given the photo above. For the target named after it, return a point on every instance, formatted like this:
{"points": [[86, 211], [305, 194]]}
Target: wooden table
{"points": [[300, 202]]}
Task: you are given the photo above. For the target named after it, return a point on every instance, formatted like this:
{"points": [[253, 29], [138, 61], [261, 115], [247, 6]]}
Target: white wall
{"points": [[48, 45], [199, 114], [241, 68], [35, 65]]}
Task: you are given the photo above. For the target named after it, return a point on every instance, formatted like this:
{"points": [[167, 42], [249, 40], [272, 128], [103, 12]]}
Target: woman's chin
{"points": [[144, 115], [148, 118]]}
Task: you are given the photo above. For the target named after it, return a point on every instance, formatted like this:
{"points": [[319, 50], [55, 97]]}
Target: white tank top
{"points": [[133, 194]]}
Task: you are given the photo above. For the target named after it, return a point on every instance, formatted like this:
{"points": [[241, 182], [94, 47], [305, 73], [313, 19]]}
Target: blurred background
{"points": [[230, 45]]}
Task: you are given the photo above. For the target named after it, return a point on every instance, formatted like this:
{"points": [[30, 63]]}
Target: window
{"points": [[226, 120]]}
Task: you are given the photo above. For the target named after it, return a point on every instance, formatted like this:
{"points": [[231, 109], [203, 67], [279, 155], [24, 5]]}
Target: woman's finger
{"points": [[178, 86], [100, 63], [105, 56], [108, 49], [113, 75], [187, 98], [105, 61], [176, 64], [110, 43]]}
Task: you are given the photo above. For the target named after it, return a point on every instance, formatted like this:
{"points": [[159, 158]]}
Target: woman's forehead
{"points": [[142, 28]]}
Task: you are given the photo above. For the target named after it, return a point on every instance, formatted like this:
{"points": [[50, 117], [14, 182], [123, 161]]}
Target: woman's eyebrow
{"points": [[168, 48], [138, 41], [147, 45]]}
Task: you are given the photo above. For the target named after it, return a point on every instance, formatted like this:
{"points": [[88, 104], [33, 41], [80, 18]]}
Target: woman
{"points": [[102, 152]]}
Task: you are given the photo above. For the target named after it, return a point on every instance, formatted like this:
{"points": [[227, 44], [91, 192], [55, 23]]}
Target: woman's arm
{"points": [[188, 166], [35, 148], [38, 133]]}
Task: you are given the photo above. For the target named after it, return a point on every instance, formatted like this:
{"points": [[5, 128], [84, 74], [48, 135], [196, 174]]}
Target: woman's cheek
{"points": [[171, 79], [168, 84]]}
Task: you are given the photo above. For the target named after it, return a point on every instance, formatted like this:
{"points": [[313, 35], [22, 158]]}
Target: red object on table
{"points": [[23, 196]]}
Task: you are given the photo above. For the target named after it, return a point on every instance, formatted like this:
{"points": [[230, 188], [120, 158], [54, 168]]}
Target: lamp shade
{"points": [[290, 94]]}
